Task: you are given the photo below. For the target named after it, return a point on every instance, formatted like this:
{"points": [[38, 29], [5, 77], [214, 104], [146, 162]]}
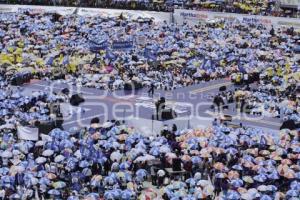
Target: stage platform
{"points": [[136, 108]]}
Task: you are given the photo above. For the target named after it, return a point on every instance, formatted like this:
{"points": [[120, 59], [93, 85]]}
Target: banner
{"points": [[37, 9], [194, 17], [27, 133], [96, 47], [122, 45], [7, 8]]}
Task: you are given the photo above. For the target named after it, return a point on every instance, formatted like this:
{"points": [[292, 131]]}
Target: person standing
{"points": [[161, 176], [151, 90]]}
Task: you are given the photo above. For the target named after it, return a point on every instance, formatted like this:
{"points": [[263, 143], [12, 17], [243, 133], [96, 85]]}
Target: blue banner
{"points": [[122, 45], [96, 47]]}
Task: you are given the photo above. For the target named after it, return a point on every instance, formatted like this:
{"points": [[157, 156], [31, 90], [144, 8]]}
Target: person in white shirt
{"points": [[160, 179]]}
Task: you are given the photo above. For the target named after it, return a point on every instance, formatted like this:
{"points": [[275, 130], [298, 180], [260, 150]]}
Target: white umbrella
{"points": [[15, 169], [164, 149], [6, 154], [40, 160], [107, 124], [48, 153], [59, 158], [40, 143], [116, 156]]}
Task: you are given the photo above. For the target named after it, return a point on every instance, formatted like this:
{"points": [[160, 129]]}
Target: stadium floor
{"points": [[189, 101]]}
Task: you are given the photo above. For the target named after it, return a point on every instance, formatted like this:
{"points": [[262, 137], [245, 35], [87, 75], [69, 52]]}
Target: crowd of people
{"points": [[265, 7], [270, 94], [166, 55], [113, 161]]}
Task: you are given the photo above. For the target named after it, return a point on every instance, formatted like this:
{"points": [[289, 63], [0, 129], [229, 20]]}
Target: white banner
{"points": [[37, 9], [27, 133], [132, 14], [7, 8], [194, 17]]}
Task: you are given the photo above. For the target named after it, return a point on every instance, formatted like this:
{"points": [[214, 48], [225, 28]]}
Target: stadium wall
{"points": [[179, 16], [133, 14]]}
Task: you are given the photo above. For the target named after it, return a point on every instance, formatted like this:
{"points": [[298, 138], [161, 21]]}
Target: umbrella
{"points": [[44, 181], [295, 185], [290, 174], [164, 149], [84, 164], [59, 184], [293, 193], [203, 183], [148, 194], [248, 179], [87, 172], [48, 153], [196, 159], [124, 165], [109, 180], [186, 158], [286, 162], [40, 160], [236, 183], [272, 188], [6, 154], [17, 169], [122, 137], [263, 188], [40, 143], [141, 173], [231, 150], [273, 176], [233, 175], [260, 178], [127, 194], [54, 192], [265, 197], [15, 196], [191, 181], [59, 158], [92, 196], [233, 195], [50, 176], [116, 156], [237, 167], [220, 175], [4, 170], [219, 166]]}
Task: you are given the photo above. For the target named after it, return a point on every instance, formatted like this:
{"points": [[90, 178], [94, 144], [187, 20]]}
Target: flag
{"points": [[50, 60], [242, 69], [66, 60], [150, 54], [109, 55]]}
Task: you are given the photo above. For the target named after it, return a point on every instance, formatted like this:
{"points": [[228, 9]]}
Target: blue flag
{"points": [[150, 54], [109, 55], [50, 61], [66, 60]]}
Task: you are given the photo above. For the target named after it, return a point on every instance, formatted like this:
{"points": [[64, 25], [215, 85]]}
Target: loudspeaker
{"points": [[176, 164], [76, 100], [222, 88]]}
